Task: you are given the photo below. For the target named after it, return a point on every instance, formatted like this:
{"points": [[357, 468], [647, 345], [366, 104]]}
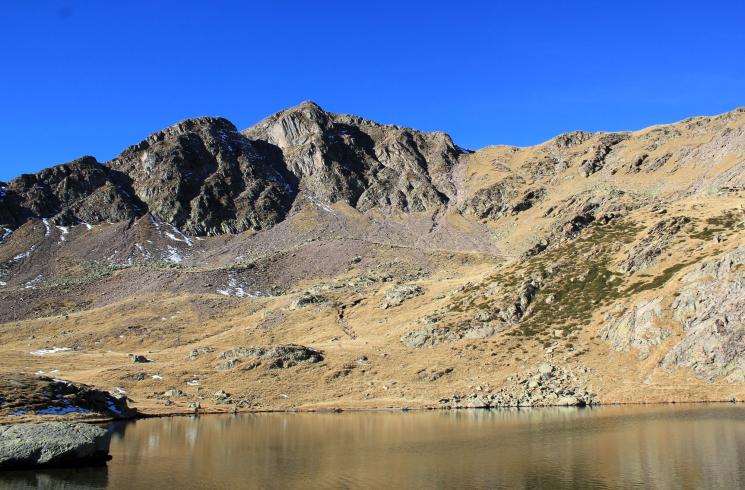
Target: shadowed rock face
{"points": [[368, 165], [82, 190], [203, 176]]}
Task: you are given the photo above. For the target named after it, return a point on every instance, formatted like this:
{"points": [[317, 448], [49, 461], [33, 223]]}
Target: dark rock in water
{"points": [[52, 444]]}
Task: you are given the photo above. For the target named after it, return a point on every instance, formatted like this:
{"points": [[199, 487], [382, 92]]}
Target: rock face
{"points": [[52, 444], [655, 242], [204, 177], [82, 190], [502, 199], [365, 164], [598, 153], [710, 307], [636, 328]]}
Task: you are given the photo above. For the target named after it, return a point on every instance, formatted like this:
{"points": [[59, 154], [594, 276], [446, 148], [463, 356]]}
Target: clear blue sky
{"points": [[94, 77]]}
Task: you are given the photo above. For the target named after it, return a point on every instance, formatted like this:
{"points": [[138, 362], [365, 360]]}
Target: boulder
{"points": [[52, 444], [396, 295]]}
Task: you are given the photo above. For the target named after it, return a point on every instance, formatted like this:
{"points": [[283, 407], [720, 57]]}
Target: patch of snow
{"points": [[61, 410], [3, 284], [53, 350], [154, 221], [47, 228], [174, 255], [39, 373], [120, 390], [89, 226], [33, 282], [236, 289], [25, 254], [316, 202], [184, 238], [64, 230], [156, 376], [6, 234], [193, 382]]}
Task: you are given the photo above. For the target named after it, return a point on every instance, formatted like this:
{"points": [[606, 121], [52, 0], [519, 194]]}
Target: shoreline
{"points": [[336, 410]]}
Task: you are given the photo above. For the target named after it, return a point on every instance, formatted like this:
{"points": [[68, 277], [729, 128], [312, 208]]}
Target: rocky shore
{"points": [[544, 386]]}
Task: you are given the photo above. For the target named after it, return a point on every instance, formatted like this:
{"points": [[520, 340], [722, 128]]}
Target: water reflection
{"points": [[663, 447]]}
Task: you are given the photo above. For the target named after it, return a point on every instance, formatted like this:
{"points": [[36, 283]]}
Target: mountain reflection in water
{"points": [[648, 447]]}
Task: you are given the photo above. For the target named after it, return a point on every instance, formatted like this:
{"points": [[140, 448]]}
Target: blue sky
{"points": [[94, 77]]}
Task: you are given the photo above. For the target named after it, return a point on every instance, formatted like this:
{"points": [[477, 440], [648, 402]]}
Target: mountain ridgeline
{"points": [[205, 177]]}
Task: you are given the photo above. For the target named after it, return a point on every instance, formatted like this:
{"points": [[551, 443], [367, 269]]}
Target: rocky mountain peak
{"points": [[363, 163], [291, 127]]}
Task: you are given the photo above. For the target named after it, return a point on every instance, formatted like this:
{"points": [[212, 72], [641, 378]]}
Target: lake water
{"points": [[691, 446]]}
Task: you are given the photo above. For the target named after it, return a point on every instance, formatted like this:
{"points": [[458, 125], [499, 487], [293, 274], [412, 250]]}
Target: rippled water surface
{"points": [[613, 447]]}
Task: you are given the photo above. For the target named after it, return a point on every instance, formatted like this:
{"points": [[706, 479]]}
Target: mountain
{"points": [[324, 260]]}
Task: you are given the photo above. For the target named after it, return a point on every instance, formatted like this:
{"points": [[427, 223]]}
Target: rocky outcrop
{"points": [[710, 308], [636, 328], [434, 335], [23, 394], [546, 385], [504, 198], [308, 299], [396, 295], [595, 159], [278, 357], [653, 244], [52, 444], [573, 215]]}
